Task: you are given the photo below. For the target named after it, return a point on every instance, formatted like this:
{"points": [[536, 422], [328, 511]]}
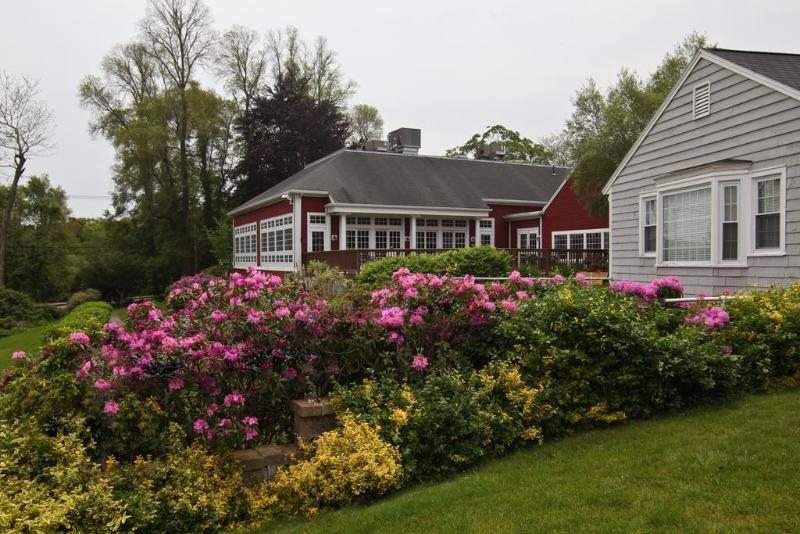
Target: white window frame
{"points": [[707, 112], [529, 232], [741, 249], [318, 227], [242, 259], [643, 199], [755, 178], [485, 231], [747, 209], [602, 231], [440, 228], [372, 228], [274, 224]]}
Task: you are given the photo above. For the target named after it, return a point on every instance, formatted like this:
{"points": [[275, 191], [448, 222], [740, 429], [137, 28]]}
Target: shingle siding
{"points": [[748, 121]]}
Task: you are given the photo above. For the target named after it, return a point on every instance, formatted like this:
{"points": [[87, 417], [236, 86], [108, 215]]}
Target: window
{"points": [[277, 243], [687, 226], [768, 213], [373, 232], [318, 233], [486, 232], [447, 233], [244, 245], [701, 100], [649, 217], [528, 238], [730, 222], [596, 238]]}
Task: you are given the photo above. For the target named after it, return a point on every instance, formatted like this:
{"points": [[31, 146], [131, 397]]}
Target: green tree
{"points": [[367, 124], [518, 148], [603, 127]]}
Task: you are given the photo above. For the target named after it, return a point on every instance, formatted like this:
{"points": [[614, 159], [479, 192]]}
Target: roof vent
{"points": [[375, 145], [493, 151], [701, 100], [405, 140]]}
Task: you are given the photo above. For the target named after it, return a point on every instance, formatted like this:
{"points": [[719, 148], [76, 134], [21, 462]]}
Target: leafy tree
{"points": [[603, 127], [367, 124], [26, 126], [518, 148], [289, 130]]}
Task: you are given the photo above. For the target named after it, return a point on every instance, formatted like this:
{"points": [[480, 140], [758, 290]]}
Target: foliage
{"points": [[518, 148], [50, 484], [603, 127], [475, 261], [345, 465], [16, 310], [367, 124], [85, 295], [451, 419]]}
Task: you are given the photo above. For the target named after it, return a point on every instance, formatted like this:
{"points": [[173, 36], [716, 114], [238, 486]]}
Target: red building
{"points": [[354, 205]]}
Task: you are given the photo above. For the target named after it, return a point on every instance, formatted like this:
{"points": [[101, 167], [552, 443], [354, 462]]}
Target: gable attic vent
{"points": [[701, 101]]}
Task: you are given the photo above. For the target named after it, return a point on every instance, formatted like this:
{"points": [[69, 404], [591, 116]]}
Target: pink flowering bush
{"points": [[667, 287]]}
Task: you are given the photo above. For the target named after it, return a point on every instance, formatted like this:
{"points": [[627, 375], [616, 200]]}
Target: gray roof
{"points": [[783, 68], [361, 177]]}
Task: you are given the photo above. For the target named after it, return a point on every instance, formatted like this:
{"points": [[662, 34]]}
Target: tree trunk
{"points": [[5, 221]]}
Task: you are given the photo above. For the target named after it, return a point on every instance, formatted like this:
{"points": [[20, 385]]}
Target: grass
{"points": [[28, 340], [720, 468]]}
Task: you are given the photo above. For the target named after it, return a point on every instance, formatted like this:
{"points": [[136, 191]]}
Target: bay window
{"points": [[715, 220], [277, 243]]}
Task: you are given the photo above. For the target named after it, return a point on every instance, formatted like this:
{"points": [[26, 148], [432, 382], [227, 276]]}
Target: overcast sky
{"points": [[450, 68]]}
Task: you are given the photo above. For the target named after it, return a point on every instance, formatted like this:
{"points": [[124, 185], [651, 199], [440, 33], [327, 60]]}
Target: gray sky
{"points": [[450, 68]]}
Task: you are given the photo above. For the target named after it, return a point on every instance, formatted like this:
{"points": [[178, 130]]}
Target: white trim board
{"points": [[709, 56]]}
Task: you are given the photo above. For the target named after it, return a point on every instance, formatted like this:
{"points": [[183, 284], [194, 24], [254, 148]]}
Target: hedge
{"points": [[90, 315], [477, 261]]}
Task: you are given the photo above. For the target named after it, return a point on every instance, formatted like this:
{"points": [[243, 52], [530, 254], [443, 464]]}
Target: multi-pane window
{"points": [[528, 239], [316, 219], [582, 239], [449, 233], [426, 240], [649, 226], [317, 233], [277, 241], [594, 240], [317, 241], [486, 232], [244, 245], [730, 222], [687, 225], [373, 232], [768, 213]]}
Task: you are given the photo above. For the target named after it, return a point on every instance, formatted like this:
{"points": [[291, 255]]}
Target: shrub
{"points": [[475, 261], [17, 310], [79, 297], [451, 419], [89, 315], [345, 465]]}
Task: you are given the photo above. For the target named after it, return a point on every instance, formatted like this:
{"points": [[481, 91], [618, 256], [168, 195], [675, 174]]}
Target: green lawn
{"points": [[29, 341], [723, 468]]}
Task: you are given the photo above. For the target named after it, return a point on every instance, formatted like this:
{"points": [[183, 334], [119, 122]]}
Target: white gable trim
{"points": [[710, 56]]}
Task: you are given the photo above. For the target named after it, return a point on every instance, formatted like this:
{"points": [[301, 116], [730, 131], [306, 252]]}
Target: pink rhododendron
{"points": [[200, 426], [110, 408], [419, 363], [79, 337], [175, 384], [250, 433], [713, 317], [234, 398], [19, 355], [102, 385]]}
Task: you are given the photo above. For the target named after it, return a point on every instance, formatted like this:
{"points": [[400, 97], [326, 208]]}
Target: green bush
{"points": [[79, 297], [17, 310], [477, 261], [89, 315]]}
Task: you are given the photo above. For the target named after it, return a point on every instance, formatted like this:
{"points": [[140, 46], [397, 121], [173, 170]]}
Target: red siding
{"points": [[501, 226], [566, 212]]}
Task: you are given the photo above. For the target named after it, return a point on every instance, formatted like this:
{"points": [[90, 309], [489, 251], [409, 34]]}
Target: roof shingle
{"points": [[783, 68]]}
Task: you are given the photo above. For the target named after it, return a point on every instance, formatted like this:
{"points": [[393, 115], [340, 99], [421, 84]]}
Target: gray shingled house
{"points": [[710, 192]]}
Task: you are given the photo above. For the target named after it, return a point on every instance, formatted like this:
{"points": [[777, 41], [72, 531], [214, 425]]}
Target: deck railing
{"points": [[544, 260]]}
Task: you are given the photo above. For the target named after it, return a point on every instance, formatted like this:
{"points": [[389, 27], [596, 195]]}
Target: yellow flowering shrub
{"points": [[343, 465]]}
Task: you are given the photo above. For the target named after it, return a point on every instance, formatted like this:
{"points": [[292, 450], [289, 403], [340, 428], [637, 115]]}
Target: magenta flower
{"points": [[515, 276], [102, 385], [175, 384], [419, 363], [509, 306], [250, 433], [110, 408], [289, 373], [19, 355], [250, 420], [234, 398], [79, 337], [200, 426], [391, 317], [212, 409]]}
